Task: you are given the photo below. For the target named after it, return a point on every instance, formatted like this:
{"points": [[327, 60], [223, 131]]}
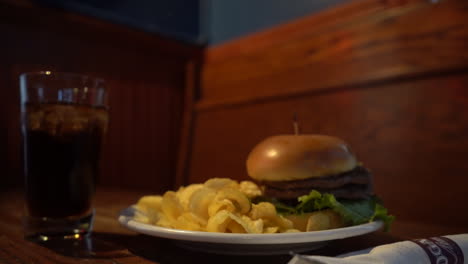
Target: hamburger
{"points": [[305, 174]]}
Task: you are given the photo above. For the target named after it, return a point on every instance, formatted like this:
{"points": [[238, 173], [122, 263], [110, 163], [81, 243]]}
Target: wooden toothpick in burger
{"points": [[295, 124]]}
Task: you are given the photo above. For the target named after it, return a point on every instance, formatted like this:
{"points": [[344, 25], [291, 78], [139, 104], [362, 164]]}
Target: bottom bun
{"points": [[316, 221]]}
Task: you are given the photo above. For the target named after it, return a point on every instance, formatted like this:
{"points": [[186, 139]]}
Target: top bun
{"points": [[299, 157]]}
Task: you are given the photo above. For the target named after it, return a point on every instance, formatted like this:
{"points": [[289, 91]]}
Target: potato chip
{"points": [[149, 207], [219, 183], [252, 226], [235, 227], [250, 189], [185, 193], [271, 230], [291, 231], [218, 205], [149, 201], [219, 222], [222, 205], [263, 210], [170, 205], [164, 221], [200, 201], [189, 221], [283, 223], [240, 201]]}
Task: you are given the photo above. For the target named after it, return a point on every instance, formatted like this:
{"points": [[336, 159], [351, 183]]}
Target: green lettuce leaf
{"points": [[354, 212], [380, 213]]}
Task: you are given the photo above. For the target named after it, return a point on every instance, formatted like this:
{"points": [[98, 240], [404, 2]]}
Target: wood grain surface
{"points": [[357, 43]]}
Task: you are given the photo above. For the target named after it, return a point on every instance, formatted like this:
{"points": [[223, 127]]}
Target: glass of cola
{"points": [[64, 120]]}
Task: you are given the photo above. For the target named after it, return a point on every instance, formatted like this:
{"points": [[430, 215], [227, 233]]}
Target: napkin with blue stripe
{"points": [[450, 249]]}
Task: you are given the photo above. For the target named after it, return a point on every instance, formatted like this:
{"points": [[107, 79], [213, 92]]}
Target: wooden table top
{"points": [[112, 243]]}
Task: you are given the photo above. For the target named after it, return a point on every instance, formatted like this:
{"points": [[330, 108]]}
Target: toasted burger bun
{"points": [[315, 221], [299, 157]]}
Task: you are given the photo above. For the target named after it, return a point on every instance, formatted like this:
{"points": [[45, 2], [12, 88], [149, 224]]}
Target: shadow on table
{"points": [[167, 251], [115, 246], [164, 251], [90, 247]]}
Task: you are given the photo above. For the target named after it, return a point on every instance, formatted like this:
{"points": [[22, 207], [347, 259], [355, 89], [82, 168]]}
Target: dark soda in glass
{"points": [[62, 148]]}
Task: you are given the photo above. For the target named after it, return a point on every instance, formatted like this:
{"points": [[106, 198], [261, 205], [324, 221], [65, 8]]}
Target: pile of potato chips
{"points": [[218, 205]]}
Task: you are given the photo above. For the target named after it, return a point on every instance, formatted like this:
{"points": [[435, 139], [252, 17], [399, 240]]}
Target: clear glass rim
{"points": [[72, 75]]}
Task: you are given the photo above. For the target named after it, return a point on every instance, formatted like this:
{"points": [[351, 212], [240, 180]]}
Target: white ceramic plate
{"points": [[261, 244]]}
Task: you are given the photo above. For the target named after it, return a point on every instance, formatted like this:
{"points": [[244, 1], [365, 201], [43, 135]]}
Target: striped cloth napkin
{"points": [[451, 249]]}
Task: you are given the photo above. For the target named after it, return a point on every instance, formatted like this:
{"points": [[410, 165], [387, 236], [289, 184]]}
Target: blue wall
{"points": [[196, 21], [235, 18], [175, 18]]}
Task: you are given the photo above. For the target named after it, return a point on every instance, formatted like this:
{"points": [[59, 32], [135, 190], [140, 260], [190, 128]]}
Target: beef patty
{"points": [[355, 184]]}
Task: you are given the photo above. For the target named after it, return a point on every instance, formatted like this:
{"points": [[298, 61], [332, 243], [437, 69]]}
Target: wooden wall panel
{"points": [[362, 42], [146, 76], [412, 135]]}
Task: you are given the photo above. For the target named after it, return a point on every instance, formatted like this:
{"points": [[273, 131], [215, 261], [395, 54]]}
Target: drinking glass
{"points": [[64, 120]]}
